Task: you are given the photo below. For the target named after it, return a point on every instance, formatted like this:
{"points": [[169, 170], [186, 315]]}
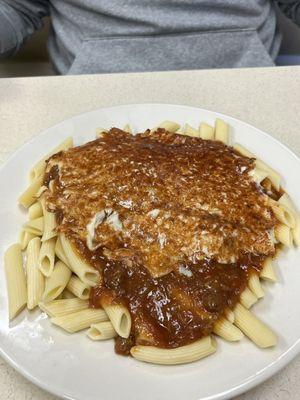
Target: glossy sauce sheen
{"points": [[173, 223]]}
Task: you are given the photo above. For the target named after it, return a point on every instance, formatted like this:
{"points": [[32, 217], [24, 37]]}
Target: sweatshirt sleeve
{"points": [[291, 8], [19, 19]]}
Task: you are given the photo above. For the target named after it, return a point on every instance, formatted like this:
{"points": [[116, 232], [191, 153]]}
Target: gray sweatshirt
{"points": [[100, 36]]}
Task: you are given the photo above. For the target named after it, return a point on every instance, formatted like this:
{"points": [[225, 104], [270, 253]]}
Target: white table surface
{"points": [[268, 98]]}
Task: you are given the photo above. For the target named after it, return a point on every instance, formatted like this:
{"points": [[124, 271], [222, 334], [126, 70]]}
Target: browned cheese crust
{"points": [[166, 211]]}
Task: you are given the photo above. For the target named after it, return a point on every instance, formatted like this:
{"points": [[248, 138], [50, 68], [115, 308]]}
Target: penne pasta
{"points": [[286, 201], [227, 330], [101, 331], [243, 151], [34, 226], [35, 279], [39, 168], [80, 320], [42, 190], [296, 231], [206, 131], [58, 308], [15, 280], [56, 282], [284, 235], [169, 126], [78, 288], [80, 267], [273, 176], [229, 314], [248, 298], [259, 175], [268, 272], [284, 214], [252, 327], [29, 196], [24, 238], [120, 318], [49, 222], [66, 294], [59, 251], [127, 128], [35, 210], [99, 132], [190, 131], [47, 257], [180, 355], [255, 286], [221, 131]]}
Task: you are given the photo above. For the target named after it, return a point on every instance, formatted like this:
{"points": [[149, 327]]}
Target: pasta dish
{"points": [[159, 239]]}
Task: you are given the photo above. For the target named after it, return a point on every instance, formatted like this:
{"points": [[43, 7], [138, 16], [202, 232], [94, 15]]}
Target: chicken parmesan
{"points": [[175, 225]]}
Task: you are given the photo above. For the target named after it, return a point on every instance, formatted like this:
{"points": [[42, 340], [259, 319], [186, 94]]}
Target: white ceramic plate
{"points": [[74, 367]]}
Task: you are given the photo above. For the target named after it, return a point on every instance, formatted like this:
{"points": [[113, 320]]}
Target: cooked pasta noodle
{"points": [[252, 327], [273, 176], [296, 231], [78, 288], [35, 279], [222, 131], [206, 131], [77, 321], [56, 282], [100, 131], [15, 280], [85, 272], [66, 294], [35, 210], [284, 215], [101, 331], [181, 355], [120, 318], [170, 126], [255, 286], [243, 151], [227, 330], [229, 314], [59, 251], [190, 131], [259, 175], [34, 226], [24, 238], [49, 222], [248, 298], [268, 272], [287, 202], [58, 308], [127, 128], [29, 196], [284, 235], [47, 257]]}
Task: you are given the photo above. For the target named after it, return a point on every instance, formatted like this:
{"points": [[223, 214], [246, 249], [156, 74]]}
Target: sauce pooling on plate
{"points": [[174, 224], [177, 308]]}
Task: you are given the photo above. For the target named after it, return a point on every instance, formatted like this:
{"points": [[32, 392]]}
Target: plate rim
{"points": [[271, 369]]}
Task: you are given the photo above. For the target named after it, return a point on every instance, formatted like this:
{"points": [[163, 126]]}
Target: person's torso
{"points": [[100, 36]]}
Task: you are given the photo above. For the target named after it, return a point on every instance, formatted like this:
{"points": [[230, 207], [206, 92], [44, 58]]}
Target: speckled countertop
{"points": [[268, 98]]}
